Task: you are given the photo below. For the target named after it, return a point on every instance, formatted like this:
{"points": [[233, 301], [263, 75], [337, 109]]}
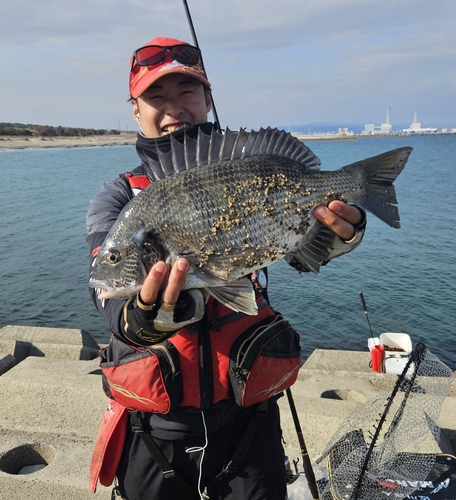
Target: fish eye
{"points": [[114, 256]]}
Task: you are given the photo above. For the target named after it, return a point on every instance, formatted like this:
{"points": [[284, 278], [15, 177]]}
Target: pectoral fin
{"points": [[314, 249], [237, 295]]}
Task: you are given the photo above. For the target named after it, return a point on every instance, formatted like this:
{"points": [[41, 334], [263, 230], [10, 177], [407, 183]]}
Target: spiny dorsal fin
{"points": [[207, 149]]}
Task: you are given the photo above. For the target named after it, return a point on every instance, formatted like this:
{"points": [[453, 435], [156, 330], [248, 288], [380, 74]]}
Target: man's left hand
{"points": [[340, 218]]}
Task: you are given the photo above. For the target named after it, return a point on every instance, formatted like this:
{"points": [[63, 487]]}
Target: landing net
{"points": [[389, 444]]}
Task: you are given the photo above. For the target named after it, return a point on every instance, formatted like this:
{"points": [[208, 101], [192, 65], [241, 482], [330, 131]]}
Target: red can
{"points": [[377, 357]]}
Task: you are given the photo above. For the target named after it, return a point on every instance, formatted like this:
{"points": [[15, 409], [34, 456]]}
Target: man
{"points": [[207, 441]]}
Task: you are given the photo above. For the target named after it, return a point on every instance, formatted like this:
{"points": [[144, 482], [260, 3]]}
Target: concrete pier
{"points": [[52, 403]]}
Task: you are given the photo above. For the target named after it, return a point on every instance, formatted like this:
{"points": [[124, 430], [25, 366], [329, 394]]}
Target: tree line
{"points": [[28, 130]]}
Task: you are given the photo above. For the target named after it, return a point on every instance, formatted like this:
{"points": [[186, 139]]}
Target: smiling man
{"points": [[195, 435], [172, 102]]}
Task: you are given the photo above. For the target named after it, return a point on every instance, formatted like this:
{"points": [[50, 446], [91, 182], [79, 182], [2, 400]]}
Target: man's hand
{"points": [[158, 275], [340, 218], [162, 308]]}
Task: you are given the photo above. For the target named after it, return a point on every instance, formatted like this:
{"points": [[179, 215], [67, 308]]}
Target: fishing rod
{"points": [[195, 41], [377, 352], [308, 470], [361, 296]]}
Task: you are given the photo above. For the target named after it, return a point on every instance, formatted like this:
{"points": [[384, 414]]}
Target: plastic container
{"points": [[377, 354], [397, 347], [299, 490]]}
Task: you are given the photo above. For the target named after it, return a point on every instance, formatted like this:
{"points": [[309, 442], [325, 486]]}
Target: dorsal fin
{"points": [[189, 152], [202, 147], [231, 145], [239, 145], [228, 142]]}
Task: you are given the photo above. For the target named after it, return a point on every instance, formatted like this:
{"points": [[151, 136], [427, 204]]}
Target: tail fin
{"points": [[379, 194]]}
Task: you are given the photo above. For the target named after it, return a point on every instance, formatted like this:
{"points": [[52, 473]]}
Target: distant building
{"points": [[415, 128], [384, 128], [369, 129], [345, 131]]}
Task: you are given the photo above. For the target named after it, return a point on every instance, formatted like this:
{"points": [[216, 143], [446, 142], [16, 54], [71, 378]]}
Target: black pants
{"points": [[261, 475]]}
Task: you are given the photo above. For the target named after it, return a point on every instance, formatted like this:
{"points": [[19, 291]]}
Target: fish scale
{"points": [[232, 217], [229, 219]]}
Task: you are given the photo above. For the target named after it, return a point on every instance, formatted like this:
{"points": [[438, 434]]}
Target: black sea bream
{"points": [[234, 203]]}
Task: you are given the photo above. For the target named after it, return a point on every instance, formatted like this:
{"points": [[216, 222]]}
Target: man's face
{"points": [[172, 102]]}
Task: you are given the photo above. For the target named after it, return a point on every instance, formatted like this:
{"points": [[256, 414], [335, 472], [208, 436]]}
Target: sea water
{"points": [[407, 276]]}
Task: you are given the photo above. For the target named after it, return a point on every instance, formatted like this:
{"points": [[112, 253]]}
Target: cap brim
{"points": [[146, 76]]}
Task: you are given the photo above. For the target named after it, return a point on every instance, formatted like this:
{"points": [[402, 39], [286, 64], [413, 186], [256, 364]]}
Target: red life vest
{"points": [[220, 342]]}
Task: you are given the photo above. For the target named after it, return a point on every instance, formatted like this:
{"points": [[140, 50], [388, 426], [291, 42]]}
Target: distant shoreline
{"points": [[8, 143], [355, 137], [21, 142]]}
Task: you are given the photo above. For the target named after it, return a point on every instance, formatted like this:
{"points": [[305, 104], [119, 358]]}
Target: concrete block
{"points": [[65, 473], [339, 361], [46, 335], [7, 361], [60, 343], [54, 396]]}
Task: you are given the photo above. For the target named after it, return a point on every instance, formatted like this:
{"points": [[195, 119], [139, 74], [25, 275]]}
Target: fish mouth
{"points": [[112, 290]]}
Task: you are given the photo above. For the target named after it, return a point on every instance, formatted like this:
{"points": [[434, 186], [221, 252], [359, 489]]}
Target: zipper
{"points": [[242, 355], [168, 355], [205, 364]]}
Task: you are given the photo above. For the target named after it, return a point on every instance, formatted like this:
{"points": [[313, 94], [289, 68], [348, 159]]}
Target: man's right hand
{"points": [[162, 307], [158, 276]]}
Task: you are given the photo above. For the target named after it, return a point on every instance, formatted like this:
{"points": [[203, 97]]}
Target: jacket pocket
{"points": [[264, 361], [139, 378]]}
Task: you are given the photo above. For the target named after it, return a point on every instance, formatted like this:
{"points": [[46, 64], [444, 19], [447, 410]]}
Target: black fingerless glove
{"points": [[148, 324], [361, 226]]}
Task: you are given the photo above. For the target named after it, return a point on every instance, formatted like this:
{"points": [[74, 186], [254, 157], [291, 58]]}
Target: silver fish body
{"points": [[232, 216]]}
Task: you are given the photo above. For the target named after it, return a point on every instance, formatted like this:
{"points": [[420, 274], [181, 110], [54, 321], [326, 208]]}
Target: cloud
{"points": [[234, 24], [270, 62]]}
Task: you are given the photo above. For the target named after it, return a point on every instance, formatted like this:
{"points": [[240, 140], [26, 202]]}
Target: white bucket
{"points": [[398, 347], [372, 342]]}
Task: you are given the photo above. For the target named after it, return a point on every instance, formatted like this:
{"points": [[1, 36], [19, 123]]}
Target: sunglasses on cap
{"points": [[150, 55]]}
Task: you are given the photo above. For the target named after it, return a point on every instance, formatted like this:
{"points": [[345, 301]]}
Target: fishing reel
{"points": [[291, 477]]}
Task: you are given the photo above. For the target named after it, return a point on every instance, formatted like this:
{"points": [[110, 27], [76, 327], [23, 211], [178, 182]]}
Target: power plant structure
{"points": [[370, 129], [384, 128], [415, 128]]}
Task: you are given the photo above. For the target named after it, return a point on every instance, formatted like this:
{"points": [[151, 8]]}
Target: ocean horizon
{"points": [[407, 276]]}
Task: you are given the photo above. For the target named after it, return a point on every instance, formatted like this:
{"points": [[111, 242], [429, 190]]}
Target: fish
{"points": [[234, 203]]}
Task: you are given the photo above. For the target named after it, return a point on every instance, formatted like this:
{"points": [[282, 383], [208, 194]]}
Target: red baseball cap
{"points": [[142, 77]]}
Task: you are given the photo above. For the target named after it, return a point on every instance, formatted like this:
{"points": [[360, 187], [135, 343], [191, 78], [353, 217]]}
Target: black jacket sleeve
{"points": [[104, 210]]}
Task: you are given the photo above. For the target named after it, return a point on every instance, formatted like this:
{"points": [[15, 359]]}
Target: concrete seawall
{"points": [[52, 404]]}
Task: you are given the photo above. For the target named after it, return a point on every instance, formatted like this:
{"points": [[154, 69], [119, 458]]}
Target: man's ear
{"points": [[208, 100], [135, 110]]}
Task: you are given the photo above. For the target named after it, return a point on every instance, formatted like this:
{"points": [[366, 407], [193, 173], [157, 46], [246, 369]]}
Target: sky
{"points": [[270, 62]]}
